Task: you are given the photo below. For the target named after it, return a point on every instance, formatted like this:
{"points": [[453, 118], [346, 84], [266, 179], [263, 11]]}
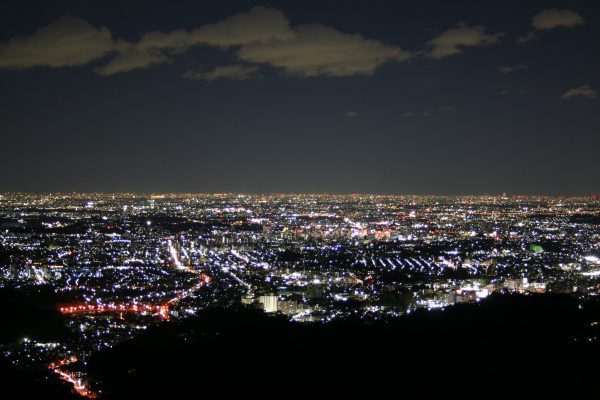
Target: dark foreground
{"points": [[508, 344]]}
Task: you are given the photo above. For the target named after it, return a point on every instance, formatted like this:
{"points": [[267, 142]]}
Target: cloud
{"points": [[550, 19], [236, 72], [264, 36], [407, 114], [258, 25], [317, 50], [65, 42], [528, 37], [453, 40], [509, 69], [585, 91], [350, 114], [131, 59], [259, 36]]}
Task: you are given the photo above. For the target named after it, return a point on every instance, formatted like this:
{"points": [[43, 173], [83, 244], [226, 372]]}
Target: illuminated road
{"points": [[174, 256], [78, 385], [114, 308], [161, 310]]}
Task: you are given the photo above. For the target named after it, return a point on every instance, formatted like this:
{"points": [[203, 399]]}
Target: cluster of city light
{"points": [[309, 257]]}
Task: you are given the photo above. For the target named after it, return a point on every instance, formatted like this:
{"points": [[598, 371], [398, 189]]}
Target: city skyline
{"points": [[101, 292], [319, 97], [308, 197]]}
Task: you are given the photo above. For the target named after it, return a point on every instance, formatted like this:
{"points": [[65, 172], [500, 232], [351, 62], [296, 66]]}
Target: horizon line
{"points": [[140, 193]]}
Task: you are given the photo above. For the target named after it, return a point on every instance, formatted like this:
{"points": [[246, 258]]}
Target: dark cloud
{"points": [[319, 50], [236, 72], [550, 19], [581, 91], [509, 69], [258, 25], [66, 42], [455, 39], [259, 36]]}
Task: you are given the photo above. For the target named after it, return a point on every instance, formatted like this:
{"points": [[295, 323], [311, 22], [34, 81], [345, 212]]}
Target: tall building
{"points": [[269, 302]]}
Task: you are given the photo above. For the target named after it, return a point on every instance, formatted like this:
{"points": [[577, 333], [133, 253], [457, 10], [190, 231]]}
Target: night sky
{"points": [[371, 96]]}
